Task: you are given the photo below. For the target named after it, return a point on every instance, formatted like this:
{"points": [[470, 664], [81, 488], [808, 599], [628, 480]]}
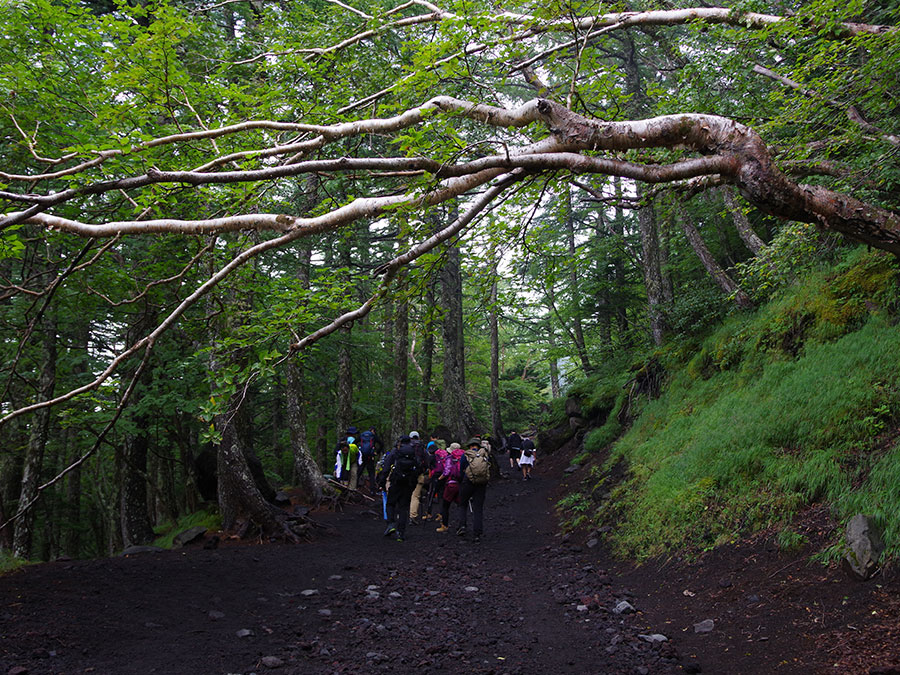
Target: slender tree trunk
{"points": [[618, 264], [719, 275], [742, 223], [554, 364], [400, 368], [653, 281], [574, 287], [496, 417], [427, 358], [37, 441], [344, 412]]}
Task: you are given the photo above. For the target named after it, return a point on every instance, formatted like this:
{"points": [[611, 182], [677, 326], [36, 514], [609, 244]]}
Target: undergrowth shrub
{"points": [[167, 531]]}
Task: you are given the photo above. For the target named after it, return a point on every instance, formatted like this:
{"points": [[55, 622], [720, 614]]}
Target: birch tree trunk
{"points": [[719, 275]]}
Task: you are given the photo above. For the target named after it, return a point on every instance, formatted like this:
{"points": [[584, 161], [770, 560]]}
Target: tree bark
{"points": [[427, 357], [742, 223], [496, 417], [719, 275], [133, 513], [400, 369], [574, 290], [653, 281], [307, 474], [554, 364], [344, 412], [456, 410], [23, 534]]}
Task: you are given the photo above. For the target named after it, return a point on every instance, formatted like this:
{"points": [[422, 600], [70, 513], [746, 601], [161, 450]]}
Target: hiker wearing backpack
{"points": [[526, 461], [403, 468], [368, 450], [476, 473], [514, 443], [420, 489], [451, 476], [434, 454], [340, 459]]}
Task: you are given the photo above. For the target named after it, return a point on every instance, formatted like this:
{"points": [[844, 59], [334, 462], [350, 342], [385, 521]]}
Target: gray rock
{"points": [[623, 607], [591, 543], [325, 612], [471, 589], [215, 615], [188, 536], [704, 626], [244, 632], [309, 592], [654, 638], [572, 468], [864, 547], [272, 662]]}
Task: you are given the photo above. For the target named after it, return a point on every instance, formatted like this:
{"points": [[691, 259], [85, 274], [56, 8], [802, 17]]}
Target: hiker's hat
{"points": [[413, 434]]}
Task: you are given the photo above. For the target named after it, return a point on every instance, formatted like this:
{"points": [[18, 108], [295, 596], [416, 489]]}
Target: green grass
{"points": [[775, 411], [9, 563], [169, 530]]}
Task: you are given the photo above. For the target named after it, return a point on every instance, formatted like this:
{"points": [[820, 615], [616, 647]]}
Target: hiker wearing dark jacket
{"points": [[475, 466], [514, 443], [402, 468]]}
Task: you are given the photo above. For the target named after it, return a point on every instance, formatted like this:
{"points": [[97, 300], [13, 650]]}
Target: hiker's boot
{"points": [[443, 528]]}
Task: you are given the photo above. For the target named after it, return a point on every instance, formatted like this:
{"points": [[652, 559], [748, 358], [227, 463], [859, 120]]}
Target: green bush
{"points": [[167, 532]]}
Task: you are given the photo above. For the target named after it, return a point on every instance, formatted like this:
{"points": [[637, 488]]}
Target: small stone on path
{"points": [[309, 591], [272, 662], [244, 632], [704, 626], [654, 638]]}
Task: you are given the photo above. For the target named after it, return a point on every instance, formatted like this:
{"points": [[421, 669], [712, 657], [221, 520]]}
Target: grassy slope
{"points": [[792, 405]]}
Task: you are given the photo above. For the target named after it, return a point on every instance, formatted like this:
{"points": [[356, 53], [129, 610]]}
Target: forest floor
{"points": [[523, 600]]}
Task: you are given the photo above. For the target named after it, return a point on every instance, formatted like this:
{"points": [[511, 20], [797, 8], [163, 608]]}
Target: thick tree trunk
{"points": [[307, 475], [719, 275], [239, 496], [134, 518], [456, 410], [653, 281], [37, 441]]}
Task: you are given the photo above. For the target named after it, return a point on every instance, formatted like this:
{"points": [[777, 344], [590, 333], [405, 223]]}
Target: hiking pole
{"points": [[384, 503]]}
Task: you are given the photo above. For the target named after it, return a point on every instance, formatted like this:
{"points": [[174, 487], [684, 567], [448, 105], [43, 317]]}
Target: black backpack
{"points": [[406, 464], [528, 447]]}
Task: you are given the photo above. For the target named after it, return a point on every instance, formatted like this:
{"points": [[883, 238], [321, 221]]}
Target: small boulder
{"points": [[188, 536], [623, 607], [654, 638], [864, 547], [704, 626]]}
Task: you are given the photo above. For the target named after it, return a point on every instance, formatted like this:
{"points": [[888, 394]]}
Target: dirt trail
{"points": [[347, 603], [522, 600]]}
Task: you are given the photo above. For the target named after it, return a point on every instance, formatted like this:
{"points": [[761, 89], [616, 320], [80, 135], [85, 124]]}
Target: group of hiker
{"points": [[420, 481]]}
